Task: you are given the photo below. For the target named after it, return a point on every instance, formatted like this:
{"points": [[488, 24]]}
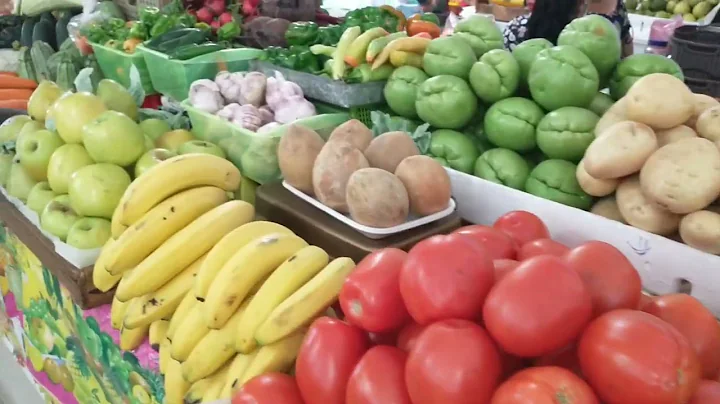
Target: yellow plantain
{"points": [[159, 224], [131, 338], [117, 313], [182, 311], [190, 332], [238, 366], [183, 248], [306, 303], [175, 386], [164, 355], [102, 279], [243, 271], [117, 228], [197, 390], [227, 247], [172, 176], [157, 333], [217, 382], [276, 357], [289, 277]]}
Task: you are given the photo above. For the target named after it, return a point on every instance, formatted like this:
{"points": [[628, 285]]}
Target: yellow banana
{"points": [[307, 302], [289, 277], [217, 382], [164, 355], [172, 176], [117, 313], [183, 248], [214, 350], [131, 338], [157, 333], [102, 279], [117, 228], [276, 357], [164, 301], [182, 311], [227, 247], [159, 224], [238, 366], [244, 270], [175, 386], [190, 332], [197, 390]]}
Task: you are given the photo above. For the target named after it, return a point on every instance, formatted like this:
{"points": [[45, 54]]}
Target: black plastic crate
{"points": [[704, 86], [697, 50]]}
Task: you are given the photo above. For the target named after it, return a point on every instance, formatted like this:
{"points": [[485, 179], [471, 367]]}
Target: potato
{"points": [[593, 186], [389, 149], [427, 184], [615, 114], [377, 198], [620, 151], [660, 100], [667, 136], [684, 176], [608, 208], [701, 230], [333, 167], [297, 151], [641, 212], [708, 124], [702, 102], [353, 132]]}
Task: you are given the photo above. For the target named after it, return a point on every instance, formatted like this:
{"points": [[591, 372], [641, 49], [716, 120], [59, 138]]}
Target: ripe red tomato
{"points": [[629, 356], [383, 338], [446, 277], [453, 361], [504, 267], [370, 297], [608, 275], [327, 357], [565, 358], [511, 364], [408, 336], [544, 385], [538, 308], [707, 393], [696, 323], [542, 246], [269, 388], [644, 300], [498, 244], [522, 226], [379, 378]]}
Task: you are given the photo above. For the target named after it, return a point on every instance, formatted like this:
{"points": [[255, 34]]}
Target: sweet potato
{"points": [[353, 132], [427, 184], [389, 149], [377, 198], [298, 149], [333, 167]]}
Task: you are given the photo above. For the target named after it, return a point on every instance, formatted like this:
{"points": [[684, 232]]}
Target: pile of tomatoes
{"points": [[502, 315]]}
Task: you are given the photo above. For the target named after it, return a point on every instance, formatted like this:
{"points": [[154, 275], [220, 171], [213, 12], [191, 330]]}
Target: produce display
{"points": [[689, 10]]}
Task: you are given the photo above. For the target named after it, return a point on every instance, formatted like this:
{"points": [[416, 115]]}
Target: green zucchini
{"points": [[44, 31], [61, 30], [40, 53], [47, 16], [190, 51], [27, 69], [26, 33]]}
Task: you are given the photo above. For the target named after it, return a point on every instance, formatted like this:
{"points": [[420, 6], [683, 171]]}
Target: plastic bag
{"points": [[36, 7], [660, 33], [93, 12]]}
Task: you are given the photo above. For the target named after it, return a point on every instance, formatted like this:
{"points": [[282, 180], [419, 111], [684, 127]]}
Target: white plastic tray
{"points": [[373, 232], [664, 265]]}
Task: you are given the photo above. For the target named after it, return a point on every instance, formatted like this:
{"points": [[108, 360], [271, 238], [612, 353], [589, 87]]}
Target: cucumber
{"points": [[27, 69], [26, 32], [44, 31], [61, 30], [47, 16]]}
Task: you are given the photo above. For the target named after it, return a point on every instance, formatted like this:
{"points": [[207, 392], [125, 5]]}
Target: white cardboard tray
{"points": [[373, 232], [663, 264]]}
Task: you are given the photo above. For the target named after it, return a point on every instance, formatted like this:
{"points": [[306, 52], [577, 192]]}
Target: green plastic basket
{"points": [[255, 154], [174, 77], [116, 65]]}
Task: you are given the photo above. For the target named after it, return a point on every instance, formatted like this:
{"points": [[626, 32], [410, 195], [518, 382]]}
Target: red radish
{"points": [[215, 25], [216, 6], [205, 15], [249, 7], [225, 18]]}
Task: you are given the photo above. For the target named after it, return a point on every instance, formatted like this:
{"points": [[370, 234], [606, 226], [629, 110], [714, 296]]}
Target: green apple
{"points": [[150, 159], [58, 217], [149, 144], [34, 150], [174, 139], [63, 163], [40, 195], [30, 127], [43, 98], [155, 128], [73, 111], [6, 160], [114, 138], [19, 182], [89, 232], [10, 129], [95, 190], [201, 146], [117, 98]]}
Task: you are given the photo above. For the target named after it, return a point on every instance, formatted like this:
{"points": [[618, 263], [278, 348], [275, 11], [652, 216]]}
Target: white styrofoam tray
{"points": [[373, 232], [664, 265]]}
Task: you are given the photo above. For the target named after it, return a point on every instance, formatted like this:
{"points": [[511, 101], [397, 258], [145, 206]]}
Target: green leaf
{"points": [[422, 136]]}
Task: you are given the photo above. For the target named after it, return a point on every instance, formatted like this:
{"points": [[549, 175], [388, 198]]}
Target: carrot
{"points": [[11, 74], [10, 82], [14, 104], [15, 93]]}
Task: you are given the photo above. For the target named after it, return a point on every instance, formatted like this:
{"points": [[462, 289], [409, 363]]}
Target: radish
{"points": [[225, 18], [216, 6], [205, 15], [215, 25]]}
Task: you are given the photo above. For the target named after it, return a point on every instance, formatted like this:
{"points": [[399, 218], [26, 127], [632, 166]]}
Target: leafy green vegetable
{"points": [[383, 123]]}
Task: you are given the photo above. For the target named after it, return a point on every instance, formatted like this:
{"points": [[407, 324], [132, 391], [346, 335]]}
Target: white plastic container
{"points": [[373, 232]]}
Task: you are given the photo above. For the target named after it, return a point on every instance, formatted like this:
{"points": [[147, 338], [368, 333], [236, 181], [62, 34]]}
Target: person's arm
{"points": [[626, 36]]}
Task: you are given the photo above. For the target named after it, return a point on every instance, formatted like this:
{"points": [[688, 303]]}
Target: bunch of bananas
{"points": [[222, 298]]}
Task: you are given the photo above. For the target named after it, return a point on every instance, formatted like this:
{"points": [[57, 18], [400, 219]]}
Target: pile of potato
{"points": [[379, 181], [656, 163]]}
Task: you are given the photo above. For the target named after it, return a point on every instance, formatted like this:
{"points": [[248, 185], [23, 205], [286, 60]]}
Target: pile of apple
{"points": [[72, 158]]}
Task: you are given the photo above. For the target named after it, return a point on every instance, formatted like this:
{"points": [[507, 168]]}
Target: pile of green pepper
{"points": [[307, 33], [371, 17], [296, 58]]}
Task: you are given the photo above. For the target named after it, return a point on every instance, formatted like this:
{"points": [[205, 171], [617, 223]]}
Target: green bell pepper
{"points": [[148, 16], [184, 20], [229, 31], [302, 33], [329, 35], [453, 149], [162, 25], [306, 61], [138, 31]]}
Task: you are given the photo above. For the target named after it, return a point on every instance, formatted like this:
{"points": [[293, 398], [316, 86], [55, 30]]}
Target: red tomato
{"points": [[504, 267], [542, 246], [446, 277], [610, 278], [522, 226], [453, 361], [629, 356], [696, 323], [511, 364], [269, 388], [565, 358], [495, 242], [408, 336], [644, 301], [383, 338], [544, 385], [538, 308], [327, 357], [370, 297], [707, 393], [379, 378]]}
